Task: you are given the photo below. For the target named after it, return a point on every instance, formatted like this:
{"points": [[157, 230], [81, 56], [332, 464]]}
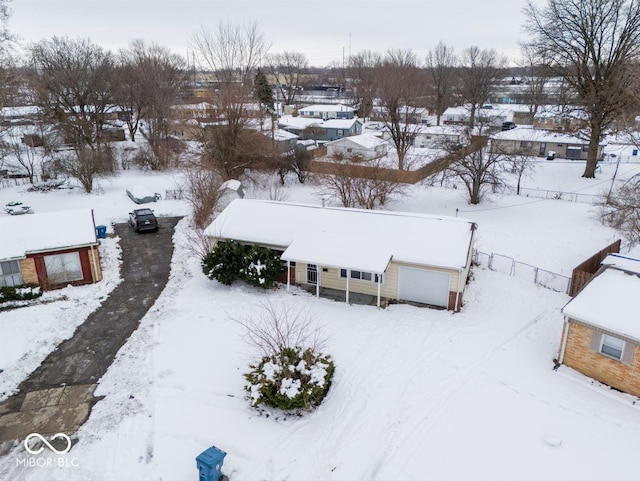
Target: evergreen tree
{"points": [[263, 91]]}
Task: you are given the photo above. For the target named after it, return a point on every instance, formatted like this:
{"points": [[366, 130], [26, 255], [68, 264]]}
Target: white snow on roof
{"points": [[623, 263], [280, 134], [538, 135], [28, 233], [339, 123], [368, 141], [351, 238], [297, 122], [608, 302], [327, 108]]}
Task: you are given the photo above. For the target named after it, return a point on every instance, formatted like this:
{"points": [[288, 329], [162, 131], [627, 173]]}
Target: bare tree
{"points": [[440, 63], [347, 186], [479, 170], [536, 76], [72, 85], [233, 53], [276, 327], [400, 85], [592, 44], [287, 69], [147, 81], [25, 156], [202, 192], [361, 71], [620, 209], [479, 70]]}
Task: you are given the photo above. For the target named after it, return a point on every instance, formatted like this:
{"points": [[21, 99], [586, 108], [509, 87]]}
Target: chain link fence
{"points": [[508, 265]]}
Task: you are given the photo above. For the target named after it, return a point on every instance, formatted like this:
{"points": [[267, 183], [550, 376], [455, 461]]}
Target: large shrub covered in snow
{"points": [[295, 378], [231, 261]]}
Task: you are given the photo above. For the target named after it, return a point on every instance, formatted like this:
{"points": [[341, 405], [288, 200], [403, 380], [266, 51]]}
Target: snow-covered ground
{"points": [[418, 393]]}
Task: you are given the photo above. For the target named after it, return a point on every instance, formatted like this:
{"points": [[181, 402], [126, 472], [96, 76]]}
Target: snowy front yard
{"points": [[417, 393]]}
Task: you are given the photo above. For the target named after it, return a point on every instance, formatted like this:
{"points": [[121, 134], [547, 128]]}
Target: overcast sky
{"points": [[325, 30]]}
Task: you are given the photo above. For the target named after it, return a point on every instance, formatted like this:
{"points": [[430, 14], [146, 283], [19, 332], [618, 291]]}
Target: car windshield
{"points": [[145, 217]]}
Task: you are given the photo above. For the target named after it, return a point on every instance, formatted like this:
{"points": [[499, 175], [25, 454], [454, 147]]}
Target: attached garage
{"points": [[424, 286], [408, 257]]}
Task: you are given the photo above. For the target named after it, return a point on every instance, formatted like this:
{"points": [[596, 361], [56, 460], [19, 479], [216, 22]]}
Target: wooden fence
{"points": [[392, 175], [585, 271]]}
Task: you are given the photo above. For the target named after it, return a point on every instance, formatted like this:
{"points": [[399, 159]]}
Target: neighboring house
{"points": [[538, 143], [437, 136], [414, 115], [601, 334], [358, 147], [410, 257], [560, 120], [297, 125], [51, 249], [325, 112], [285, 141], [332, 129]]}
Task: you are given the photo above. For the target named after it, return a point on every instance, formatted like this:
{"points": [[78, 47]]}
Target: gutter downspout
{"points": [[347, 291], [565, 338], [455, 308], [288, 275]]}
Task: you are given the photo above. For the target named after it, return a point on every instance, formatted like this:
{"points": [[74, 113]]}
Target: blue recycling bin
{"points": [[101, 231], [209, 463]]}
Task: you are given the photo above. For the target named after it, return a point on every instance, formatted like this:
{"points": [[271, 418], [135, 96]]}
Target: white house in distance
{"points": [[358, 147], [399, 256], [326, 112]]}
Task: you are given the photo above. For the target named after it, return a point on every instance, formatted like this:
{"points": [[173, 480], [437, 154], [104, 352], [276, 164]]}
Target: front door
{"points": [[312, 274]]}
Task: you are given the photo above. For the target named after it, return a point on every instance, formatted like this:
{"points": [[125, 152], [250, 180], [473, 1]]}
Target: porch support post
{"points": [[288, 275], [347, 291], [379, 284], [318, 271]]}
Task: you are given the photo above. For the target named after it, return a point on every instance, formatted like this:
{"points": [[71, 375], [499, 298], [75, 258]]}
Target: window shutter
{"points": [[627, 353], [596, 338]]}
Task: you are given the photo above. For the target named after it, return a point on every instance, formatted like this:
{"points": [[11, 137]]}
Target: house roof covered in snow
{"points": [[365, 240], [538, 135], [327, 108], [30, 233], [368, 141], [607, 300]]}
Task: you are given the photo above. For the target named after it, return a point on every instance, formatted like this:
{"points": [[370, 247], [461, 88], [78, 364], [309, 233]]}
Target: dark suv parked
{"points": [[508, 125], [143, 220]]}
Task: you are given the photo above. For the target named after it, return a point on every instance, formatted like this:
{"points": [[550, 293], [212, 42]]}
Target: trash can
{"points": [[101, 231], [209, 463]]}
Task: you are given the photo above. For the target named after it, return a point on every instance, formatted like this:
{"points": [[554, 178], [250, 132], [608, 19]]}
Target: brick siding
{"points": [[580, 357]]}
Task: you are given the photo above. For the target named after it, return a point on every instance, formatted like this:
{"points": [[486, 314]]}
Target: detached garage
{"points": [[398, 256]]}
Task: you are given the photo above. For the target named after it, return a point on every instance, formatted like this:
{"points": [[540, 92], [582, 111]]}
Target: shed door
{"points": [[425, 286]]}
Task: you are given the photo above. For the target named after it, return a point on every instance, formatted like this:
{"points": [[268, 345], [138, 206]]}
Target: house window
{"points": [[340, 132], [10, 274], [364, 276], [612, 347], [585, 148], [349, 150], [63, 268], [526, 143]]}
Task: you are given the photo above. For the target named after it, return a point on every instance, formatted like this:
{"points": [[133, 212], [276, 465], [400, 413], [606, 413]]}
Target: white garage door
{"points": [[425, 286]]}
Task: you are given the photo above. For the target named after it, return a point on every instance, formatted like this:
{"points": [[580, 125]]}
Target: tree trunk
{"points": [[592, 157]]}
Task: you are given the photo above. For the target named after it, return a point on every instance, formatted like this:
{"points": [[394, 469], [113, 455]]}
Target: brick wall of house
{"points": [[579, 356], [28, 269], [452, 301]]}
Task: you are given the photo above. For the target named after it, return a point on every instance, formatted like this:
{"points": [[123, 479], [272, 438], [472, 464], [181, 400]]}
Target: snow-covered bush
{"points": [[19, 293], [295, 378], [231, 261], [292, 373]]}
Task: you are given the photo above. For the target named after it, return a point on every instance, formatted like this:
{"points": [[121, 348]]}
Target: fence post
{"points": [[512, 272], [535, 275], [490, 263]]}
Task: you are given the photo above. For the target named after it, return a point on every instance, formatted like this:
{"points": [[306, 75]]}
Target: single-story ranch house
{"points": [[538, 143], [358, 147], [51, 249], [601, 335], [400, 256]]}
